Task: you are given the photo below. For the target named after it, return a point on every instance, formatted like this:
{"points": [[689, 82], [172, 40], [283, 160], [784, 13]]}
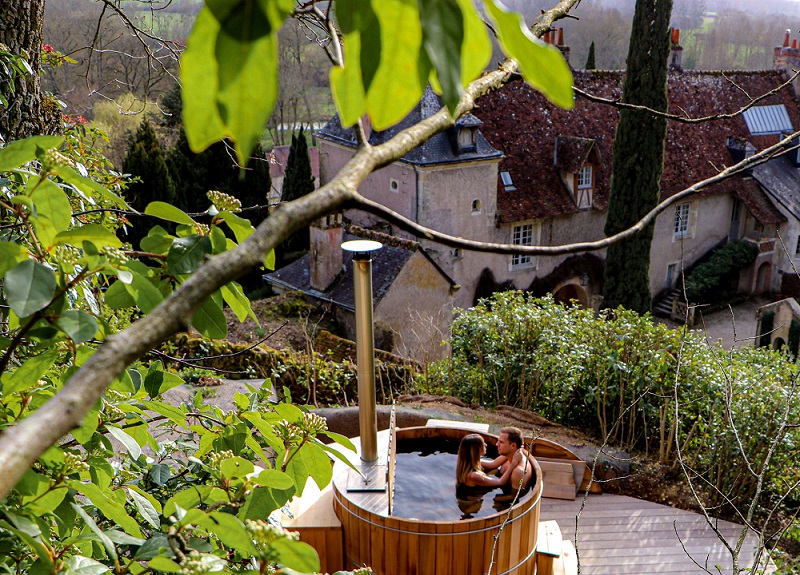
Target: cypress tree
{"points": [[297, 182], [590, 65], [638, 157], [145, 160]]}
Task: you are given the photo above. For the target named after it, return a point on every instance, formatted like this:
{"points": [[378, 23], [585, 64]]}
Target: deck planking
{"points": [[620, 535]]}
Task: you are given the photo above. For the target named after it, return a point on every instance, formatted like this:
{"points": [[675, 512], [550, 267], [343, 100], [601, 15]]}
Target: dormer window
{"points": [[508, 185], [467, 139]]}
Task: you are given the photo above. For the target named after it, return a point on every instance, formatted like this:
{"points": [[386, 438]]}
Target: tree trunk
{"points": [[28, 112], [638, 158]]}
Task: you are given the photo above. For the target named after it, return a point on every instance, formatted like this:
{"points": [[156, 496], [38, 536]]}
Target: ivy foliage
{"points": [[391, 50], [711, 280]]}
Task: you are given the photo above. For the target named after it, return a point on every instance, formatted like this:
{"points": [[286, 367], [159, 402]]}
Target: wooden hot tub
{"points": [[394, 545]]}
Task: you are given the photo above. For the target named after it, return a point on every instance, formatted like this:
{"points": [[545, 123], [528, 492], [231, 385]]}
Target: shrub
{"points": [[619, 375], [709, 280]]}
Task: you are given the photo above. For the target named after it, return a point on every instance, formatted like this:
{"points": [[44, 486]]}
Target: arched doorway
{"points": [[569, 292], [763, 278], [778, 343]]}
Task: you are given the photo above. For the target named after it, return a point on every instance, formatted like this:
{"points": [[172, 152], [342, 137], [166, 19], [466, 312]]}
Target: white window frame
{"points": [[508, 183], [682, 221], [522, 235], [584, 178]]}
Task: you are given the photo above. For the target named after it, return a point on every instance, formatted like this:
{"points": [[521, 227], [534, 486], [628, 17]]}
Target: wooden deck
{"points": [[620, 535]]}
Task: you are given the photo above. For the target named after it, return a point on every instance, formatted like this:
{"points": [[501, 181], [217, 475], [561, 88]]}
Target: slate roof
{"points": [[571, 153], [386, 265], [519, 122], [440, 149], [781, 180]]}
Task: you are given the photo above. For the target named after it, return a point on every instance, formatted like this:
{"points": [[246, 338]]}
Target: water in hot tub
{"points": [[425, 484]]}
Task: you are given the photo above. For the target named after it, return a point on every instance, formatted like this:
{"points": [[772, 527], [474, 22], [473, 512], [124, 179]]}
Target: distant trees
{"points": [[590, 63], [298, 181], [145, 160], [638, 158]]}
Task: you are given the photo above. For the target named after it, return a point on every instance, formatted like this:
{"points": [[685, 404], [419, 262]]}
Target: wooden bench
{"points": [[548, 547]]}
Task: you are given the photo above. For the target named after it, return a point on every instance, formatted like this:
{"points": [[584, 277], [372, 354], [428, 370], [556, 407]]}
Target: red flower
{"points": [[48, 48]]}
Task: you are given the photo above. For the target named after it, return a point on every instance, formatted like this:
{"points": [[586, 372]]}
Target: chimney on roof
{"points": [[326, 251], [561, 46], [676, 54], [787, 57]]}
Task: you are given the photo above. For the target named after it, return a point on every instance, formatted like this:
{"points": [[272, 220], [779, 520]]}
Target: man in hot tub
{"points": [[511, 451]]}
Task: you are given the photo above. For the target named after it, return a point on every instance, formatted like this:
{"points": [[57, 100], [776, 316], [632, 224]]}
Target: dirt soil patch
{"points": [[286, 322]]}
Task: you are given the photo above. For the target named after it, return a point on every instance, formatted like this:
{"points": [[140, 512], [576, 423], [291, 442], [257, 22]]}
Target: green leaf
{"points": [[10, 255], [79, 565], [85, 432], [108, 507], [99, 235], [160, 473], [117, 296], [296, 555], [542, 65], [51, 202], [164, 564], [20, 152], [29, 373], [275, 479], [145, 295], [152, 547], [442, 36], [158, 381], [246, 52], [157, 241], [230, 531], [230, 72], [186, 254], [107, 543], [241, 228], [264, 500], [289, 412], [174, 414], [476, 50], [209, 319], [29, 287], [128, 442], [235, 467], [78, 325], [312, 461], [169, 213], [200, 83], [45, 229], [87, 185], [398, 84], [145, 508], [234, 296]]}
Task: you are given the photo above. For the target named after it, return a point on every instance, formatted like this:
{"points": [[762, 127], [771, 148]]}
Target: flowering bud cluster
{"points": [[193, 564], [74, 464], [264, 534], [53, 158], [314, 423], [224, 202], [215, 458], [115, 256]]}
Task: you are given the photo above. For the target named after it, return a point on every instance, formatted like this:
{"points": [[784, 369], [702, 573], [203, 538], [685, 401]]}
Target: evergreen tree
{"points": [[590, 65], [638, 157], [145, 160], [297, 182]]}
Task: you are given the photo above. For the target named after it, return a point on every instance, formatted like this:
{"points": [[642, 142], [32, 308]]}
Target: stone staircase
{"points": [[663, 306]]}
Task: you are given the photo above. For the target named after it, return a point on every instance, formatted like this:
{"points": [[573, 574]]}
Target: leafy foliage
{"points": [[618, 374], [391, 51], [711, 280]]}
